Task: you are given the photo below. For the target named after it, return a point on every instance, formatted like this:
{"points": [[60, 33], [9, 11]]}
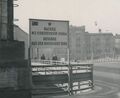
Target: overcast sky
{"points": [[79, 12]]}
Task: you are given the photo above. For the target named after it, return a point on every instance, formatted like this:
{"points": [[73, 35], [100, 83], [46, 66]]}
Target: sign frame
{"points": [[68, 50], [58, 41]]}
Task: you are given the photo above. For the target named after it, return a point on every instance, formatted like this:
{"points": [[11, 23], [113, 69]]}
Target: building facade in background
{"points": [[79, 43], [102, 45], [21, 35], [117, 45], [83, 45]]}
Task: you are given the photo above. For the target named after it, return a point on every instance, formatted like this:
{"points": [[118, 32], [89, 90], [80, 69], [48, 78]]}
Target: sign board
{"points": [[48, 33]]}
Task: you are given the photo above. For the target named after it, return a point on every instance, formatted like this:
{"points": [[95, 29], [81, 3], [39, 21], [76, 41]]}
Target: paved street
{"points": [[106, 80]]}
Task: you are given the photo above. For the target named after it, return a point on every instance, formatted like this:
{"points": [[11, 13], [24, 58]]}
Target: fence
{"points": [[54, 79]]}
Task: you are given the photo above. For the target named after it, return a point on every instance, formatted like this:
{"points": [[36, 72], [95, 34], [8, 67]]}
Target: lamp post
{"points": [[92, 52]]}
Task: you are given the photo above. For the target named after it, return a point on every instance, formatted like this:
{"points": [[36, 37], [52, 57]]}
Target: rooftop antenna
{"points": [[100, 31], [96, 24]]}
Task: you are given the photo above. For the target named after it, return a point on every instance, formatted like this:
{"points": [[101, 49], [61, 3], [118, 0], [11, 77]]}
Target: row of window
{"points": [[49, 33], [49, 43]]}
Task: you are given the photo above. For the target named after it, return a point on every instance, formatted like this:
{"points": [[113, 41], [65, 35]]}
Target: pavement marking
{"points": [[113, 87]]}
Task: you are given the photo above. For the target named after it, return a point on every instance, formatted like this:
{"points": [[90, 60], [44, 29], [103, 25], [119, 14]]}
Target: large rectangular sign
{"points": [[48, 33]]}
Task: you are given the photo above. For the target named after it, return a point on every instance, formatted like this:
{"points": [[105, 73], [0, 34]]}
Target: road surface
{"points": [[106, 80]]}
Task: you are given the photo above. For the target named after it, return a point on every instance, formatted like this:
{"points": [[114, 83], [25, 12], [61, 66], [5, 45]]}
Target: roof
{"points": [[104, 34]]}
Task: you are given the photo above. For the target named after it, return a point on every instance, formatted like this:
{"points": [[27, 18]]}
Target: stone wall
{"points": [[11, 50], [15, 72]]}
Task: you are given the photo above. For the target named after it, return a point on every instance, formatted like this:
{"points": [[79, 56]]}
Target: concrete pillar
{"points": [[3, 19], [6, 19], [10, 20]]}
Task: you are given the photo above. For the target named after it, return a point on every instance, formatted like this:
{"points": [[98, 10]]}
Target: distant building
{"points": [[79, 43], [102, 45], [21, 35], [83, 45], [117, 45]]}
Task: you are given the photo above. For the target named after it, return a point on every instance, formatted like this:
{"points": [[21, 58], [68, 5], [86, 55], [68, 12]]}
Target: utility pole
{"points": [[70, 85], [92, 52]]}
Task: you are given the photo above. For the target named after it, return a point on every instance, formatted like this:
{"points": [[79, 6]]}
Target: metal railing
{"points": [[47, 62], [56, 76]]}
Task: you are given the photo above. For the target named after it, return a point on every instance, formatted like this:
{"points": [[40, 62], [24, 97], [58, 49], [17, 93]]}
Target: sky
{"points": [[104, 13]]}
